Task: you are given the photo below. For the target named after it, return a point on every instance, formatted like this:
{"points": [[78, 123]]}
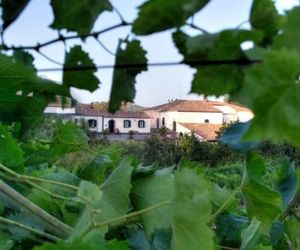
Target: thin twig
{"points": [[194, 63], [30, 229], [65, 38], [119, 14], [104, 47], [49, 58], [192, 25]]}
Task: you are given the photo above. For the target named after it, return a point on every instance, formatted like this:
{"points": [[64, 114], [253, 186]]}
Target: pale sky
{"points": [[155, 86]]}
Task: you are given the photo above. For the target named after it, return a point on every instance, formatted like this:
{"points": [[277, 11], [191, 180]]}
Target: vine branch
{"points": [[30, 229]]}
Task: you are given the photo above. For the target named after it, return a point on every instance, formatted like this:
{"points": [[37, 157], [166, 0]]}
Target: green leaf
{"points": [[123, 86], [113, 203], [191, 212], [229, 228], [84, 79], [287, 182], [89, 192], [78, 16], [278, 74], [256, 167], [233, 137], [226, 45], [68, 137], [289, 36], [261, 201], [265, 17], [5, 242], [24, 58], [293, 230], [159, 15], [10, 153], [161, 239], [23, 95], [149, 191], [11, 9], [252, 235], [220, 195]]}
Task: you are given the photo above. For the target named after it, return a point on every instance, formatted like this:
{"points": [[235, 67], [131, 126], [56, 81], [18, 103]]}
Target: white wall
{"points": [[59, 110], [245, 116], [199, 117], [154, 115], [119, 124], [98, 128]]}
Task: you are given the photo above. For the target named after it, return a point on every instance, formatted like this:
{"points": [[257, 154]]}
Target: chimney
{"points": [[123, 106]]}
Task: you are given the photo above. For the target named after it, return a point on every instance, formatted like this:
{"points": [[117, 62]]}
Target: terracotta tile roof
{"points": [[206, 130], [90, 110], [187, 106], [233, 105]]}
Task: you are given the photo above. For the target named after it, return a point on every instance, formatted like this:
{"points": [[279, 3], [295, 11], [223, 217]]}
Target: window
{"points": [[163, 122], [174, 126], [127, 123], [92, 123], [141, 124], [206, 121]]}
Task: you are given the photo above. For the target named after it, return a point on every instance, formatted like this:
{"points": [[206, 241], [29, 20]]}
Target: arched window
{"points": [[141, 123], [163, 122], [127, 123], [157, 123], [206, 121], [92, 123]]}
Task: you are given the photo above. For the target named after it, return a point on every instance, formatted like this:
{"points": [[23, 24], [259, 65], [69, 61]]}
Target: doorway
{"points": [[111, 126]]}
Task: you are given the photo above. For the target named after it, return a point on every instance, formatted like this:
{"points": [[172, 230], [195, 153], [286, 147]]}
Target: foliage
{"points": [[59, 192]]}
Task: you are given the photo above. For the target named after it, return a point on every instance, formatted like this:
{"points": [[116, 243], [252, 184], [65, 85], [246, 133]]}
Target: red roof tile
{"points": [[205, 130]]}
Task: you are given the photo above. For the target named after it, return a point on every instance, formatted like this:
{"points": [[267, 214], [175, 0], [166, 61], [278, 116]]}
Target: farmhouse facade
{"points": [[203, 117]]}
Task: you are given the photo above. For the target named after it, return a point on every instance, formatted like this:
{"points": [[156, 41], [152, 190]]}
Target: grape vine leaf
{"points": [[252, 235], [277, 114], [289, 36], [11, 9], [6, 242], [11, 154], [24, 57], [233, 137], [159, 15], [84, 79], [67, 137], [219, 195], [149, 191], [264, 17], [226, 45], [261, 201], [113, 203], [292, 226], [287, 182], [123, 86], [191, 212], [89, 192], [78, 16], [23, 95]]}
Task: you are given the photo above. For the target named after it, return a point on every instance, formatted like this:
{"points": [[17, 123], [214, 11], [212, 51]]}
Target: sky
{"points": [[158, 84]]}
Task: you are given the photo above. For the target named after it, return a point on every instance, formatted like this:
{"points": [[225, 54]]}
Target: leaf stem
{"points": [[30, 229], [124, 217], [222, 208]]}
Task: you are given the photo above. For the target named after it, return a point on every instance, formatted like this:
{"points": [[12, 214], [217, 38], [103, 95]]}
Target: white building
{"points": [[201, 116], [121, 122]]}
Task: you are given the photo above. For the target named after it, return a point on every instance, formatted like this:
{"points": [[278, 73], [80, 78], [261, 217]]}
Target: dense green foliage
{"points": [[61, 190]]}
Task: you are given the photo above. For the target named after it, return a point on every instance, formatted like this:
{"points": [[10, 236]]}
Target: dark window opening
{"points": [[163, 122], [92, 123], [127, 123], [206, 121], [141, 124], [174, 126], [157, 123]]}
